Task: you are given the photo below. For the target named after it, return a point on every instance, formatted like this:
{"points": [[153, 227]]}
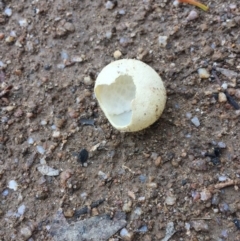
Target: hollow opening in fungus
{"points": [[116, 99]]}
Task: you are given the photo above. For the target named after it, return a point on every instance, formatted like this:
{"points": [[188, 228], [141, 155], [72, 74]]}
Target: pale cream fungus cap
{"points": [[131, 94]]}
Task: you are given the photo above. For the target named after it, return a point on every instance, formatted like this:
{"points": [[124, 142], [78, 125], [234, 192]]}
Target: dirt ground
{"points": [[183, 169]]}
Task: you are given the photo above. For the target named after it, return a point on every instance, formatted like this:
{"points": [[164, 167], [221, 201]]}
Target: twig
{"points": [[225, 184], [125, 167]]}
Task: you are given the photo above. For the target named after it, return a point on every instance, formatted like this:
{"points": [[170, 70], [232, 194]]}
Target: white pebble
{"points": [[109, 5], [43, 122], [222, 178], [56, 134], [108, 35], [176, 3], [222, 144], [21, 209], [8, 12], [102, 175], [13, 185], [23, 22], [195, 121], [192, 15], [162, 40], [30, 140], [203, 73], [188, 115], [40, 149], [170, 200], [224, 85]]}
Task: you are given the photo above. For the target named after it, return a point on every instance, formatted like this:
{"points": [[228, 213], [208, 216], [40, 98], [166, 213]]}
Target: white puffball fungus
{"points": [[131, 94]]}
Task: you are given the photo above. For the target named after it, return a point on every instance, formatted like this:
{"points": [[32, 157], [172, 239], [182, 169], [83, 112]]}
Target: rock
{"points": [[56, 134], [162, 41], [26, 232], [205, 194], [192, 15], [87, 80], [127, 236], [48, 171], [217, 56], [69, 27], [199, 165], [68, 213], [64, 176], [237, 93], [195, 121], [117, 54], [158, 161], [203, 73], [110, 4], [170, 200], [200, 225], [222, 97], [127, 207], [13, 185]]}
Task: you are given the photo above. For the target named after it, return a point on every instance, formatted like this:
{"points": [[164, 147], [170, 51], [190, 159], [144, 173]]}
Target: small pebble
{"points": [[117, 54], [162, 41], [23, 22], [170, 200], [222, 97], [199, 165], [108, 35], [142, 178], [192, 15], [200, 225], [195, 121], [222, 145], [56, 134], [21, 209], [40, 149], [237, 93], [127, 236], [203, 73], [110, 5], [222, 178], [205, 194], [87, 80], [26, 232], [143, 229], [102, 175], [5, 192], [224, 86], [188, 115], [13, 185], [127, 207], [30, 140], [8, 12], [124, 41]]}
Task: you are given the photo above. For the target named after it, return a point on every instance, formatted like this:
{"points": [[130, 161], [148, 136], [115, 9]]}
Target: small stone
{"points": [[192, 15], [110, 4], [13, 185], [217, 56], [205, 194], [162, 41], [68, 213], [158, 161], [170, 200], [117, 54], [56, 134], [69, 27], [40, 150], [224, 86], [222, 144], [222, 97], [200, 225], [87, 80], [8, 12], [10, 39], [152, 185], [203, 73], [127, 207], [199, 165], [237, 93], [132, 195], [195, 121], [23, 22], [127, 236], [64, 176], [26, 232]]}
